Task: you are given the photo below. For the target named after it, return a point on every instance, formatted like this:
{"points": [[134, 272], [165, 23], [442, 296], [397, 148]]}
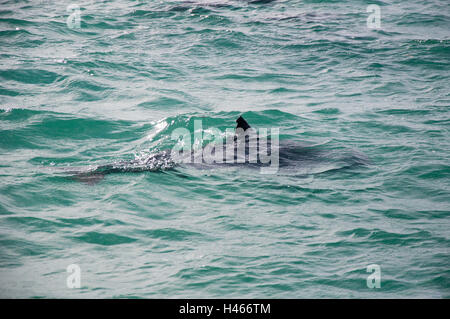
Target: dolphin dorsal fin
{"points": [[241, 123]]}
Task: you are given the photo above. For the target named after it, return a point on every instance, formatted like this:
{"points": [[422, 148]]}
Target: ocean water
{"points": [[116, 87]]}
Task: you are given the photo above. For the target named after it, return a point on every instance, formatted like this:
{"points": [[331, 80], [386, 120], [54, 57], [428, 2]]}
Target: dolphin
{"points": [[245, 148]]}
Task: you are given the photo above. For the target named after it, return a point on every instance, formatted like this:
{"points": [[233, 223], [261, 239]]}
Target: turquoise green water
{"points": [[134, 71]]}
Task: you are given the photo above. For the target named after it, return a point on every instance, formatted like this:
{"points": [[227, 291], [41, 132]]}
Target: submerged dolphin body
{"points": [[245, 148]]}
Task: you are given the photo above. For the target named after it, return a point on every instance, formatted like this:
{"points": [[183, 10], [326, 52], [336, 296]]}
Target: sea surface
{"points": [[116, 87]]}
